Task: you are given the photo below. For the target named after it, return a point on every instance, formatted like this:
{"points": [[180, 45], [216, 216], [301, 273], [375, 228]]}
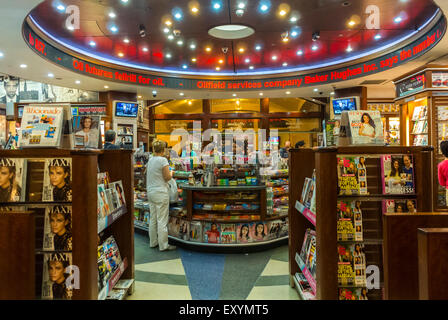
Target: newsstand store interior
{"points": [[223, 150]]}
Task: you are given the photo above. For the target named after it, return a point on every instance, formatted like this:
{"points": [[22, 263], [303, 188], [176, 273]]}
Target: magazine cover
{"points": [[305, 288], [349, 221], [184, 230], [228, 233], [353, 294], [309, 234], [111, 199], [41, 126], [196, 231], [212, 232], [260, 231], [400, 206], [57, 180], [311, 257], [284, 228], [244, 232], [273, 228], [103, 204], [109, 260], [12, 179], [397, 174], [119, 192], [103, 178], [352, 176], [351, 265], [54, 276], [174, 226], [330, 132], [363, 127], [86, 131], [58, 228]]}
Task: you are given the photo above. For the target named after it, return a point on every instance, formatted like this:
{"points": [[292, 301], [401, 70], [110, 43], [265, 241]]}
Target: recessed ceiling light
{"points": [[293, 19], [92, 43], [221, 61], [124, 1], [106, 87], [282, 12], [114, 29], [145, 49], [51, 75], [251, 67], [332, 93], [378, 37], [166, 30], [168, 23], [241, 5], [398, 19], [234, 94], [112, 15], [121, 54], [288, 92], [274, 58], [285, 64], [294, 34], [139, 97], [168, 55], [218, 68], [261, 93], [194, 9], [247, 60], [154, 92], [217, 6], [241, 50], [208, 49], [349, 49], [180, 42], [1, 54], [71, 28], [299, 53], [23, 66], [126, 40], [316, 90], [194, 59], [192, 46], [170, 37], [264, 7], [77, 82], [182, 94], [178, 16], [285, 39], [314, 47], [60, 7], [258, 48], [184, 66], [351, 23]]}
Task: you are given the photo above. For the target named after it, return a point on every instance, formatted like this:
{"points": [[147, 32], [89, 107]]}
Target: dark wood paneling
{"points": [[17, 257], [401, 251], [432, 264], [360, 92]]}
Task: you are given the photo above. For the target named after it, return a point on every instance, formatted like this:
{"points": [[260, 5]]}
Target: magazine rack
{"points": [[324, 160], [85, 166]]}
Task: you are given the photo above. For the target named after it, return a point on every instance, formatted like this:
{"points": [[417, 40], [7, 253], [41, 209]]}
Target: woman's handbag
{"points": [[172, 191]]}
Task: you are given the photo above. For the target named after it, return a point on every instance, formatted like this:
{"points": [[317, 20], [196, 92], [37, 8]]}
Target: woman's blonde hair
{"points": [[158, 146]]}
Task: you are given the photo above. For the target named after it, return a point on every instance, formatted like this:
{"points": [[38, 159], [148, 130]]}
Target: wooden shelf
{"points": [[110, 219]]}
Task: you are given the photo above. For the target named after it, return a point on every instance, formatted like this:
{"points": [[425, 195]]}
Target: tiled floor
{"points": [[187, 275]]}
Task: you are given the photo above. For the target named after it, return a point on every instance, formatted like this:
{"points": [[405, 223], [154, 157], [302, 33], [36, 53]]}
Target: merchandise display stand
{"points": [[324, 160], [85, 166]]}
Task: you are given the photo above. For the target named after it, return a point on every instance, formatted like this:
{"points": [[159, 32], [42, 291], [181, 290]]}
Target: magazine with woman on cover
{"points": [[58, 228], [12, 179], [54, 276], [57, 180]]}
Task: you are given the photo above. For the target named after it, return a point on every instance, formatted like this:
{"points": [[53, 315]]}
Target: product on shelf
{"points": [[306, 205], [184, 230], [351, 264], [57, 180], [173, 226], [212, 232], [361, 127], [304, 287], [307, 259], [117, 294], [352, 176], [109, 261], [54, 276], [400, 205], [353, 294], [103, 204], [41, 126], [89, 139], [397, 174], [260, 231], [14, 189], [57, 228], [349, 221], [244, 232]]}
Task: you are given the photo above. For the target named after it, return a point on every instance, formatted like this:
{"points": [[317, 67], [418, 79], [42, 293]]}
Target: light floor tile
{"points": [[156, 291], [273, 293], [276, 268], [173, 266]]}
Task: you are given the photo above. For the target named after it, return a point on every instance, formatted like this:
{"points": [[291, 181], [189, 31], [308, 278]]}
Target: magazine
{"points": [[14, 171], [305, 288], [349, 221], [111, 199], [284, 228], [196, 231], [58, 228], [309, 234], [352, 176], [228, 233], [184, 230], [260, 231], [41, 126], [244, 232], [212, 232], [273, 228], [54, 276], [109, 260], [361, 127], [351, 265], [397, 174], [400, 206], [86, 131], [103, 178], [118, 191], [174, 226], [103, 205], [353, 294], [57, 180]]}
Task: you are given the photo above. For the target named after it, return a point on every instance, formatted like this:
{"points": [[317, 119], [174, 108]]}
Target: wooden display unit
{"points": [[85, 166], [324, 160]]}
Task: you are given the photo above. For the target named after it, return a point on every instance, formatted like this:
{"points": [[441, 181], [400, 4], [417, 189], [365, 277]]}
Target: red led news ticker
{"points": [[385, 62]]}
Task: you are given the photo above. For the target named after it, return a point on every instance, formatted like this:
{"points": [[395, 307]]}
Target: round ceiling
{"points": [[229, 37]]}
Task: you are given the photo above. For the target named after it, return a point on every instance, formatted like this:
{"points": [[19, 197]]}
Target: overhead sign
{"points": [[417, 48], [411, 85]]}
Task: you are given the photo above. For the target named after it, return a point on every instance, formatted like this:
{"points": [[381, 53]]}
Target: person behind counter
{"points": [[284, 152], [109, 138]]}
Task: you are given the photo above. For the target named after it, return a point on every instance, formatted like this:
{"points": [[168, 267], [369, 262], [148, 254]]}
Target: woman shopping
{"points": [[157, 176]]}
